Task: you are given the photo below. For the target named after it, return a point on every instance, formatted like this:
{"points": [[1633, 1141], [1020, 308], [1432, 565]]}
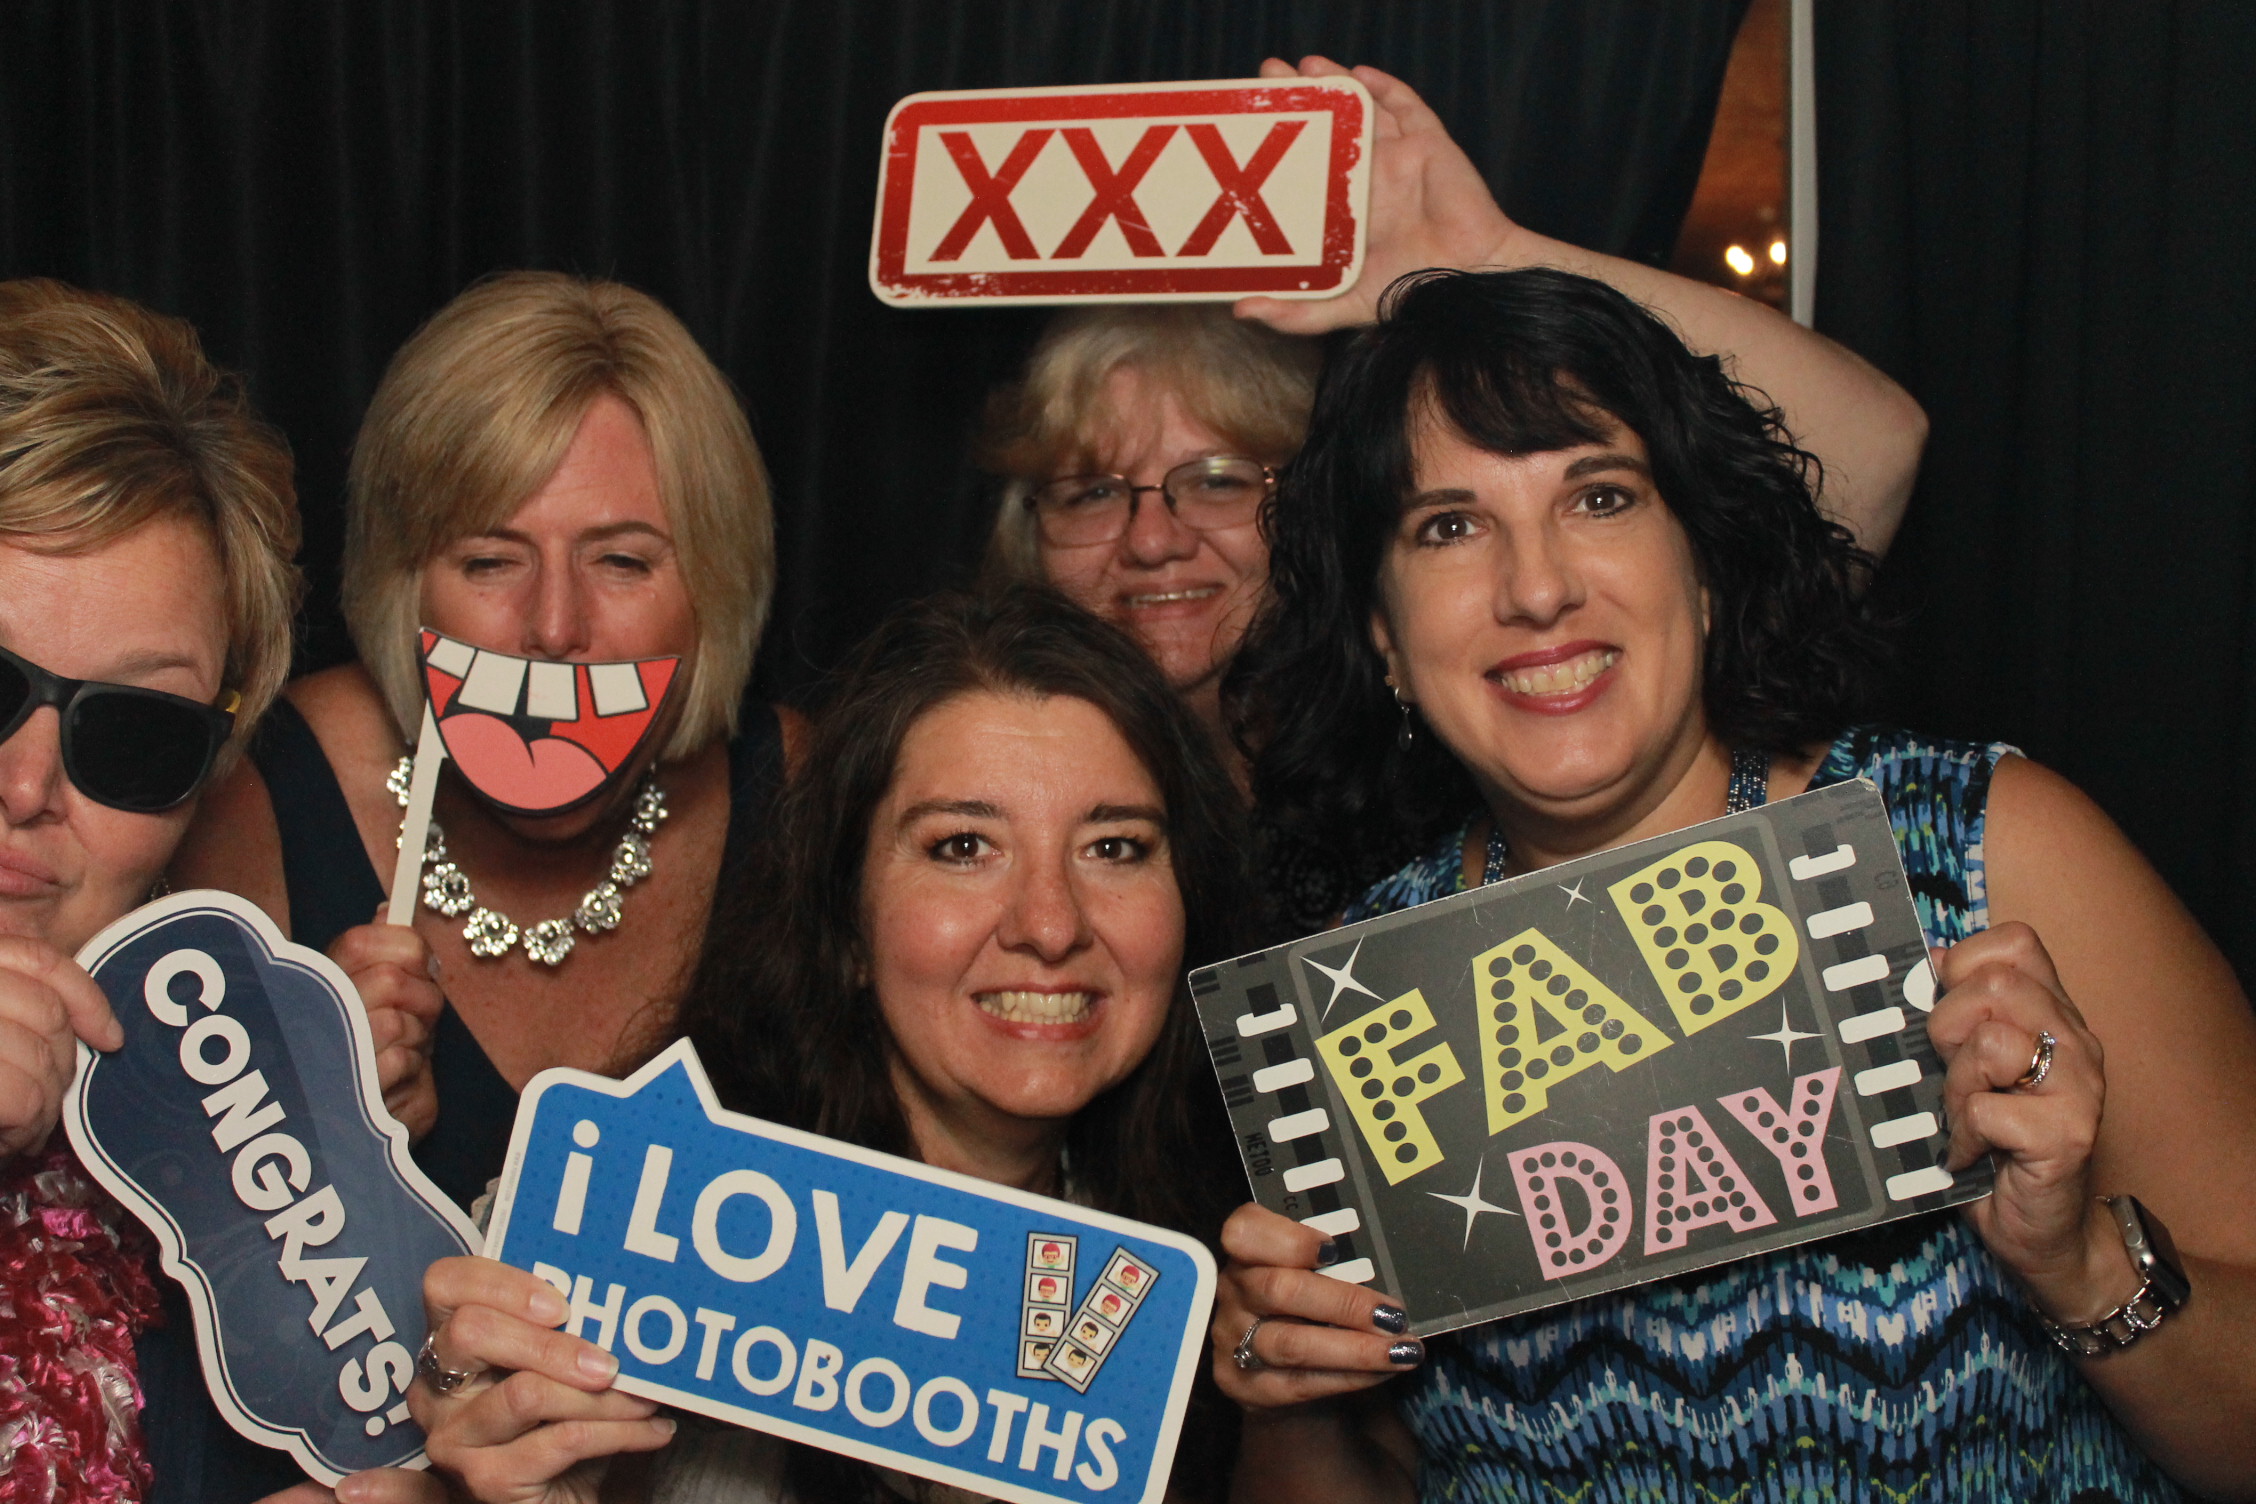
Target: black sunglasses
{"points": [[134, 749]]}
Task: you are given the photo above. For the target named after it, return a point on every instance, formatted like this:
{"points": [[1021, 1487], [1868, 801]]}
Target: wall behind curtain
{"points": [[308, 181], [2039, 216]]}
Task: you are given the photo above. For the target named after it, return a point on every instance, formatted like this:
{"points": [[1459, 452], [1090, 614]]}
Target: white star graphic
{"points": [[1785, 1037], [1343, 978], [1574, 894], [1472, 1203]]}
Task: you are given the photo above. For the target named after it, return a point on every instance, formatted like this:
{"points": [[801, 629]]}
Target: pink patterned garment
{"points": [[74, 1292]]}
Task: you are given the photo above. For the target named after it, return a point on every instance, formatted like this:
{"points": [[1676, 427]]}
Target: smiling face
{"points": [[1544, 613], [584, 571], [1183, 593], [1020, 911], [143, 609]]}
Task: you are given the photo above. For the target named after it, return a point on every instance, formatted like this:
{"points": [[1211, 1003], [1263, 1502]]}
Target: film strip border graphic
{"points": [[1072, 1349], [1267, 1063], [1875, 1001]]}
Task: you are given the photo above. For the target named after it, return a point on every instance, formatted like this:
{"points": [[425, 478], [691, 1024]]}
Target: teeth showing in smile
{"points": [[1036, 1007], [1174, 597], [1561, 678]]}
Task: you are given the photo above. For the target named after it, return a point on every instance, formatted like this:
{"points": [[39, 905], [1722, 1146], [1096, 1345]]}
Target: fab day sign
{"points": [[1689, 1050], [241, 1122], [1173, 192], [1005, 1343]]}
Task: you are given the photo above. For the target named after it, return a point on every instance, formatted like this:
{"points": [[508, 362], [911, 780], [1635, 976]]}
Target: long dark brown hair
{"points": [[779, 1010]]}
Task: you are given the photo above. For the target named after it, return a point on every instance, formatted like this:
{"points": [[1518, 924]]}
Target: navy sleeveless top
{"points": [[195, 1456], [1896, 1363]]}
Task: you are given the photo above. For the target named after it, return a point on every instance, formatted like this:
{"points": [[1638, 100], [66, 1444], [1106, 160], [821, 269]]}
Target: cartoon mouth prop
{"points": [[535, 737]]}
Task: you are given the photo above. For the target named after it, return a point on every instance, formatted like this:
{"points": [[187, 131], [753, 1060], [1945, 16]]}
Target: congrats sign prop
{"points": [[1020, 1347], [1128, 193], [1703, 1046], [242, 1123]]}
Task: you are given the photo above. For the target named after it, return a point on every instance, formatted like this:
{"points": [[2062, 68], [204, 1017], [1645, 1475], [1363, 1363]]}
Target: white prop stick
{"points": [[415, 826]]}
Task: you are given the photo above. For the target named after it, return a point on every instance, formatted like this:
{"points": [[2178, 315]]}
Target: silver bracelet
{"points": [[2162, 1287]]}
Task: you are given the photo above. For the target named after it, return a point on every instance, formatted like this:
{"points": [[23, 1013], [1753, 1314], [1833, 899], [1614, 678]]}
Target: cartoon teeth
{"points": [[536, 736]]}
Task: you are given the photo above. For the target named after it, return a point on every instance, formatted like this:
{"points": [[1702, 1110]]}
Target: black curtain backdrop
{"points": [[308, 181], [2038, 215]]}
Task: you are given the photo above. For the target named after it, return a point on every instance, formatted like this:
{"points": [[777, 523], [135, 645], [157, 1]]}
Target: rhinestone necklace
{"points": [[492, 934], [1750, 788]]}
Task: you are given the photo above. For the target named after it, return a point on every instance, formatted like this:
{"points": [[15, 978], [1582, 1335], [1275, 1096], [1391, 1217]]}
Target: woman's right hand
{"points": [[47, 1004], [1319, 1337], [538, 1418], [397, 978]]}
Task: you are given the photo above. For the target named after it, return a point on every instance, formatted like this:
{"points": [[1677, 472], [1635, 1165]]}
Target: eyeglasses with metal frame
{"points": [[131, 748], [1219, 491]]}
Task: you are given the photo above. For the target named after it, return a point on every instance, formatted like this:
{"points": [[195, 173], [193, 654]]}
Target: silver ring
{"points": [[1248, 1360], [2040, 1064], [441, 1378]]}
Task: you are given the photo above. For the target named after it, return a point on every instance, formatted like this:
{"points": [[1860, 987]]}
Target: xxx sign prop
{"points": [[1016, 1346], [1177, 192], [242, 1123]]}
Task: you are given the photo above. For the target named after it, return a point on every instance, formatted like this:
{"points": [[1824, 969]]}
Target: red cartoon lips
{"points": [[537, 737]]}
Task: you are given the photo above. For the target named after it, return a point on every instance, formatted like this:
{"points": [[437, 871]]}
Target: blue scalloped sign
{"points": [[241, 1121], [1022, 1348]]}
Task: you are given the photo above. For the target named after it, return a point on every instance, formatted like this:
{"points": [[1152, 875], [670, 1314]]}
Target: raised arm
{"points": [[2152, 1092], [1430, 207]]}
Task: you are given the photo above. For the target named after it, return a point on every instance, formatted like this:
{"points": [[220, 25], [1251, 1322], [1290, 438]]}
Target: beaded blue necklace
{"points": [[1750, 788]]}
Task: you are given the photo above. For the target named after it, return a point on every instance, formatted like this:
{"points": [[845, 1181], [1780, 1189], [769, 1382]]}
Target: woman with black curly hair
{"points": [[1597, 585]]}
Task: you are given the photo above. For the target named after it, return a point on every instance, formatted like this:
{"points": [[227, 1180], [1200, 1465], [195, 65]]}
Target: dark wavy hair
{"points": [[778, 1008], [1524, 362]]}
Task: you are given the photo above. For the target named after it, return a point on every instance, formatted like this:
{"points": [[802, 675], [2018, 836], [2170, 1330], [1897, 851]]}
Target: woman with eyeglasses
{"points": [[1141, 443], [147, 520]]}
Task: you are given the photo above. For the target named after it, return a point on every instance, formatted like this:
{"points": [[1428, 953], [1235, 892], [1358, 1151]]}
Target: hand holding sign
{"points": [[539, 1414], [47, 1005], [1430, 206]]}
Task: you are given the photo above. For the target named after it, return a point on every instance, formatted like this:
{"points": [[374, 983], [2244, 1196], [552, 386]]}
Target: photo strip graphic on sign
{"points": [[951, 1328], [1696, 1048], [1124, 193], [242, 1123]]}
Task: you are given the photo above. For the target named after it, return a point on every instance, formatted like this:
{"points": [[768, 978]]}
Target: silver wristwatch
{"points": [[2162, 1287]]}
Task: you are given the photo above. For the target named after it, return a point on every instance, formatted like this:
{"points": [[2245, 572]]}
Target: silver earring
{"points": [[1406, 733]]}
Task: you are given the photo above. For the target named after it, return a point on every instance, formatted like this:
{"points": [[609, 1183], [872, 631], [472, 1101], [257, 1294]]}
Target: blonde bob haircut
{"points": [[1251, 386], [110, 419], [474, 415]]}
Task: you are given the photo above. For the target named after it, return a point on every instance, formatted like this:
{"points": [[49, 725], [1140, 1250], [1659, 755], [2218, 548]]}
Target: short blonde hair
{"points": [[111, 418], [475, 413], [1251, 385]]}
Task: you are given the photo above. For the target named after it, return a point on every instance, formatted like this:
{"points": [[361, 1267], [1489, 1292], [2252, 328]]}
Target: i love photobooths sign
{"points": [[962, 1331]]}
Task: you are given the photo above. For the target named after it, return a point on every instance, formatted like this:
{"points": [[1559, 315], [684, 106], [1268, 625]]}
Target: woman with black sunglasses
{"points": [[147, 520]]}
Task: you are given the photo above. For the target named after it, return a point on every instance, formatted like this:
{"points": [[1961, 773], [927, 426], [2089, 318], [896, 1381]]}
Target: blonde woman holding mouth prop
{"points": [[551, 471]]}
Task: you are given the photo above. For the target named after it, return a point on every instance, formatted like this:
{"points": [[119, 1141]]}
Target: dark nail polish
{"points": [[1390, 1319], [1327, 1252], [1407, 1353]]}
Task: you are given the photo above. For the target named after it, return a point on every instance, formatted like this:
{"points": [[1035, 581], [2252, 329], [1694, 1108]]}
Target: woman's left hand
{"points": [[2000, 993], [393, 970]]}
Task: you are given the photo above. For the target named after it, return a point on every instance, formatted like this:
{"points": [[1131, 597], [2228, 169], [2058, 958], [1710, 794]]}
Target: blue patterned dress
{"points": [[1897, 1364]]}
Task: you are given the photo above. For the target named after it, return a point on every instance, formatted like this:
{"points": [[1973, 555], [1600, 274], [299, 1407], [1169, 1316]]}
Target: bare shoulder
{"points": [[794, 729], [347, 714], [233, 844]]}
